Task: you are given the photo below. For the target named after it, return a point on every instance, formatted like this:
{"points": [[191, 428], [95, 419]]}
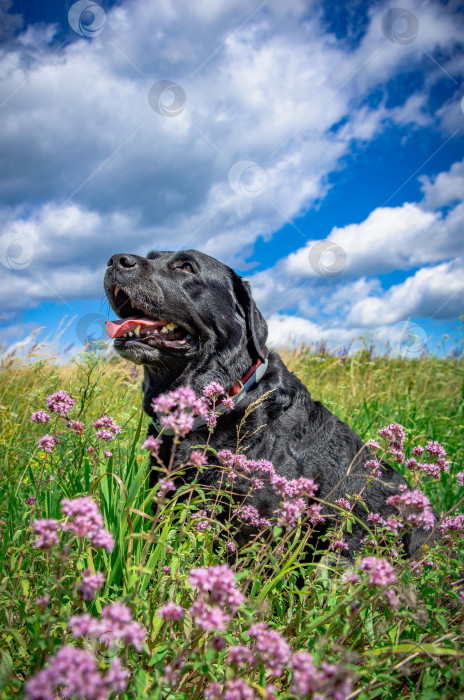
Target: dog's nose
{"points": [[122, 261]]}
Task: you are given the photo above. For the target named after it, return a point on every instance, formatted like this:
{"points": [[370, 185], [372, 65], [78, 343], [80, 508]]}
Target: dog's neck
{"points": [[158, 382]]}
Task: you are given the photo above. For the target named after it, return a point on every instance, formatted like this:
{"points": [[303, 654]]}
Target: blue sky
{"points": [[316, 147]]}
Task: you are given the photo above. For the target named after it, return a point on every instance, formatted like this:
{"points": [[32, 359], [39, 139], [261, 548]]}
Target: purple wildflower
{"points": [[198, 458], [152, 444], [75, 672], [76, 426], [373, 445], [30, 500], [43, 602], [240, 655], [379, 570], [237, 689], [270, 647], [91, 582], [85, 520], [343, 503], [231, 546], [47, 531], [374, 467], [60, 403], [228, 403], [48, 443], [166, 485], [213, 391], [171, 611], [339, 545], [290, 512], [107, 454], [40, 417]]}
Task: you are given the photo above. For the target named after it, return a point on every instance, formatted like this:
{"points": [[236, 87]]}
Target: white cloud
{"points": [[433, 292]]}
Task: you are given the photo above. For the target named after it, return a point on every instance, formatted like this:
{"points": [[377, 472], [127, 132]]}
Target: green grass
{"points": [[411, 651]]}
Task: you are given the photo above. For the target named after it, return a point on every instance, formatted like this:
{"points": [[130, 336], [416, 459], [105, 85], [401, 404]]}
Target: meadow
{"points": [[112, 589]]}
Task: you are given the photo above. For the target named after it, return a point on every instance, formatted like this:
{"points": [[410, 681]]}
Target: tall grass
{"points": [[411, 647]]}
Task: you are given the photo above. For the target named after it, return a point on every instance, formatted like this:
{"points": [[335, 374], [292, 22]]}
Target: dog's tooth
{"points": [[130, 334], [137, 330], [164, 329], [132, 304], [170, 326], [117, 290]]}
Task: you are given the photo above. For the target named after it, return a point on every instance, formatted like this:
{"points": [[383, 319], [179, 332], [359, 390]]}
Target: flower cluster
{"points": [[250, 515], [217, 591], [60, 403], [180, 407], [417, 502], [152, 444], [40, 417], [379, 570], [115, 625], [436, 455], [270, 648], [85, 520], [48, 443], [106, 428], [452, 527], [73, 672], [171, 611], [91, 582], [328, 681], [234, 689], [47, 531]]}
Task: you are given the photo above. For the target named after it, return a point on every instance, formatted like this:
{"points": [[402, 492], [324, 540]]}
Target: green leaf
{"points": [[6, 668]]}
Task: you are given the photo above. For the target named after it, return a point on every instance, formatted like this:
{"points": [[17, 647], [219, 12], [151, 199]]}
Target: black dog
{"points": [[191, 320]]}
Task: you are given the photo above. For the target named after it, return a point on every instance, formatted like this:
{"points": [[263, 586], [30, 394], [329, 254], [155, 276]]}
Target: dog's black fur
{"points": [[226, 335]]}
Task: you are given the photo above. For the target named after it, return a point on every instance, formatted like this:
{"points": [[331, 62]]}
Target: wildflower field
{"points": [[110, 589]]}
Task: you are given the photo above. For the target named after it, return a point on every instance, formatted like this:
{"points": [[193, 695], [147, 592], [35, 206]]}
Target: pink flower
{"points": [[237, 689], [166, 485], [213, 391], [48, 443], [272, 649], [47, 531], [343, 503], [43, 602], [76, 426], [108, 423], [374, 467], [107, 454], [181, 407], [60, 403], [460, 478], [90, 584], [290, 512], [231, 546], [339, 545], [85, 520], [75, 672], [379, 570], [40, 417], [373, 445], [171, 611], [198, 458], [240, 655], [152, 444]]}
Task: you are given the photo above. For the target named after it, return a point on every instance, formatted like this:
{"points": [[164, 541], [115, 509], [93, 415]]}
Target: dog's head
{"points": [[183, 309]]}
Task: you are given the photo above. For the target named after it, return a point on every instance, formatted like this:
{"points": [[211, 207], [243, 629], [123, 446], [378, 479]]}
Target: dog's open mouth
{"points": [[143, 329]]}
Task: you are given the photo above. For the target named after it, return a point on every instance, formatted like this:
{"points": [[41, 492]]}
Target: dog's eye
{"points": [[186, 267]]}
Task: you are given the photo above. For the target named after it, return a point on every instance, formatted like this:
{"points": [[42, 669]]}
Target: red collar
{"points": [[238, 386]]}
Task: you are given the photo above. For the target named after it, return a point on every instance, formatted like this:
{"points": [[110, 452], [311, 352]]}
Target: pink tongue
{"points": [[117, 328]]}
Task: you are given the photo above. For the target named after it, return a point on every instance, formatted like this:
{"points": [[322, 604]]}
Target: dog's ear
{"points": [[256, 325]]}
